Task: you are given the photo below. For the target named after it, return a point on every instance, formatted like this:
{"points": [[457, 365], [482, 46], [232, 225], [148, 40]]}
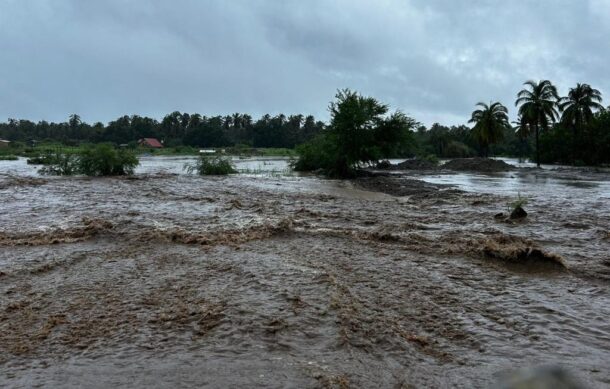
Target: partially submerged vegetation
{"points": [[211, 166], [101, 160], [516, 208], [9, 157]]}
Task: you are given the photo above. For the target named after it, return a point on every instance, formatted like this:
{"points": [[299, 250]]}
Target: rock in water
{"points": [[518, 213]]}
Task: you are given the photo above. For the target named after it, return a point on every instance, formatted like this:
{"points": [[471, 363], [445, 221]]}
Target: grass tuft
{"points": [[211, 166]]}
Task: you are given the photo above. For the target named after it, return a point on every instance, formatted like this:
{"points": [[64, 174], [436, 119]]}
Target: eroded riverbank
{"points": [[165, 279]]}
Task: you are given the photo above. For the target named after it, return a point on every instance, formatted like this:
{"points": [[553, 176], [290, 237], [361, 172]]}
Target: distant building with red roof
{"points": [[153, 143]]}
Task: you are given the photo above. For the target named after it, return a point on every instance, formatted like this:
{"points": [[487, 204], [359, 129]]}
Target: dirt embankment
{"points": [[409, 164], [485, 165]]}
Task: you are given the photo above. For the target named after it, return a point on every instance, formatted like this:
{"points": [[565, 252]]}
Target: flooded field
{"points": [[272, 279]]}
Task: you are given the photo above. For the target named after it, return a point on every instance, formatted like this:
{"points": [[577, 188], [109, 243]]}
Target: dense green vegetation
{"points": [[360, 132], [211, 166], [176, 129], [100, 160], [573, 129], [550, 129]]}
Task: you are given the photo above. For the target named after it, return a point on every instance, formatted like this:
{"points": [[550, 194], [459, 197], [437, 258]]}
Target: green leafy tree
{"points": [[577, 110], [360, 132], [537, 107], [490, 121]]}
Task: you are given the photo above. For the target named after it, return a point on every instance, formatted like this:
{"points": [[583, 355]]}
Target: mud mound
{"points": [[517, 250], [415, 164], [409, 164], [478, 165], [383, 165]]}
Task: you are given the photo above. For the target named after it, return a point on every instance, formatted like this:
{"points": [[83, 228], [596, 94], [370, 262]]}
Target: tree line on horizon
{"points": [[550, 129], [175, 129]]}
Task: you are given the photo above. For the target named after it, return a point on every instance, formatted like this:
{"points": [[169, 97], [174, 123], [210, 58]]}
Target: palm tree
{"points": [[74, 120], [523, 130], [490, 121], [538, 102], [577, 110]]}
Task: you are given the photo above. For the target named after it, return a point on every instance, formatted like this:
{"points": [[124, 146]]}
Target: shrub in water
{"points": [[46, 158], [313, 155], [101, 160], [62, 165], [105, 160], [211, 166]]}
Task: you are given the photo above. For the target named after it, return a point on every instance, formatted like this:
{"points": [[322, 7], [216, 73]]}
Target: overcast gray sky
{"points": [[433, 59]]}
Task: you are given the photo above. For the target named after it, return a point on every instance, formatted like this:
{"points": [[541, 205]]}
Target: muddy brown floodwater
{"points": [[169, 280]]}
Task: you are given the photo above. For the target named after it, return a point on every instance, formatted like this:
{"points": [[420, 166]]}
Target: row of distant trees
{"points": [[175, 129], [573, 128], [570, 129]]}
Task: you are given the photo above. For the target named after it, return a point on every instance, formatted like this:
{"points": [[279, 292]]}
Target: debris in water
{"points": [[517, 250]]}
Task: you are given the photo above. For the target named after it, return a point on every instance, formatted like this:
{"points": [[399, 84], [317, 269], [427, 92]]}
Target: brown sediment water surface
{"points": [[269, 279]]}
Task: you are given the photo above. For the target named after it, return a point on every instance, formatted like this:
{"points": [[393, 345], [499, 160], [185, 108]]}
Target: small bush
{"points": [[63, 165], [105, 160], [45, 158], [519, 202], [101, 160], [313, 155], [211, 166]]}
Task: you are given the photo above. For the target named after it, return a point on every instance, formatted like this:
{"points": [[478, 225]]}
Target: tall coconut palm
{"points": [[577, 110], [538, 107], [522, 130], [490, 121]]}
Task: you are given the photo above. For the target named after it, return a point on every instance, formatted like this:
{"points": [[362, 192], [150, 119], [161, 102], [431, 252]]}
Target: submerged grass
{"points": [[211, 166]]}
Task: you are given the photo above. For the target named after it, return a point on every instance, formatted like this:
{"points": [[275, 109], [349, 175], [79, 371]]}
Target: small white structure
{"points": [[207, 151]]}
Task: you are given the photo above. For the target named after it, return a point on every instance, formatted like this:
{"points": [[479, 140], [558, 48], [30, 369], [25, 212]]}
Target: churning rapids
{"points": [[267, 279]]}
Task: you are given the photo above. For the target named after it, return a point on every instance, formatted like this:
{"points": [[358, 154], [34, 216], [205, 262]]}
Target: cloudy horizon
{"points": [[432, 59]]}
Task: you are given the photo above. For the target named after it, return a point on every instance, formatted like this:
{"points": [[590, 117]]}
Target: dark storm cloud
{"points": [[433, 59]]}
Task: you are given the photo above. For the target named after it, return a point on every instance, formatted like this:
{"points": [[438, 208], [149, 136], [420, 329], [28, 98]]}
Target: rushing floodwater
{"points": [[273, 279], [528, 183]]}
